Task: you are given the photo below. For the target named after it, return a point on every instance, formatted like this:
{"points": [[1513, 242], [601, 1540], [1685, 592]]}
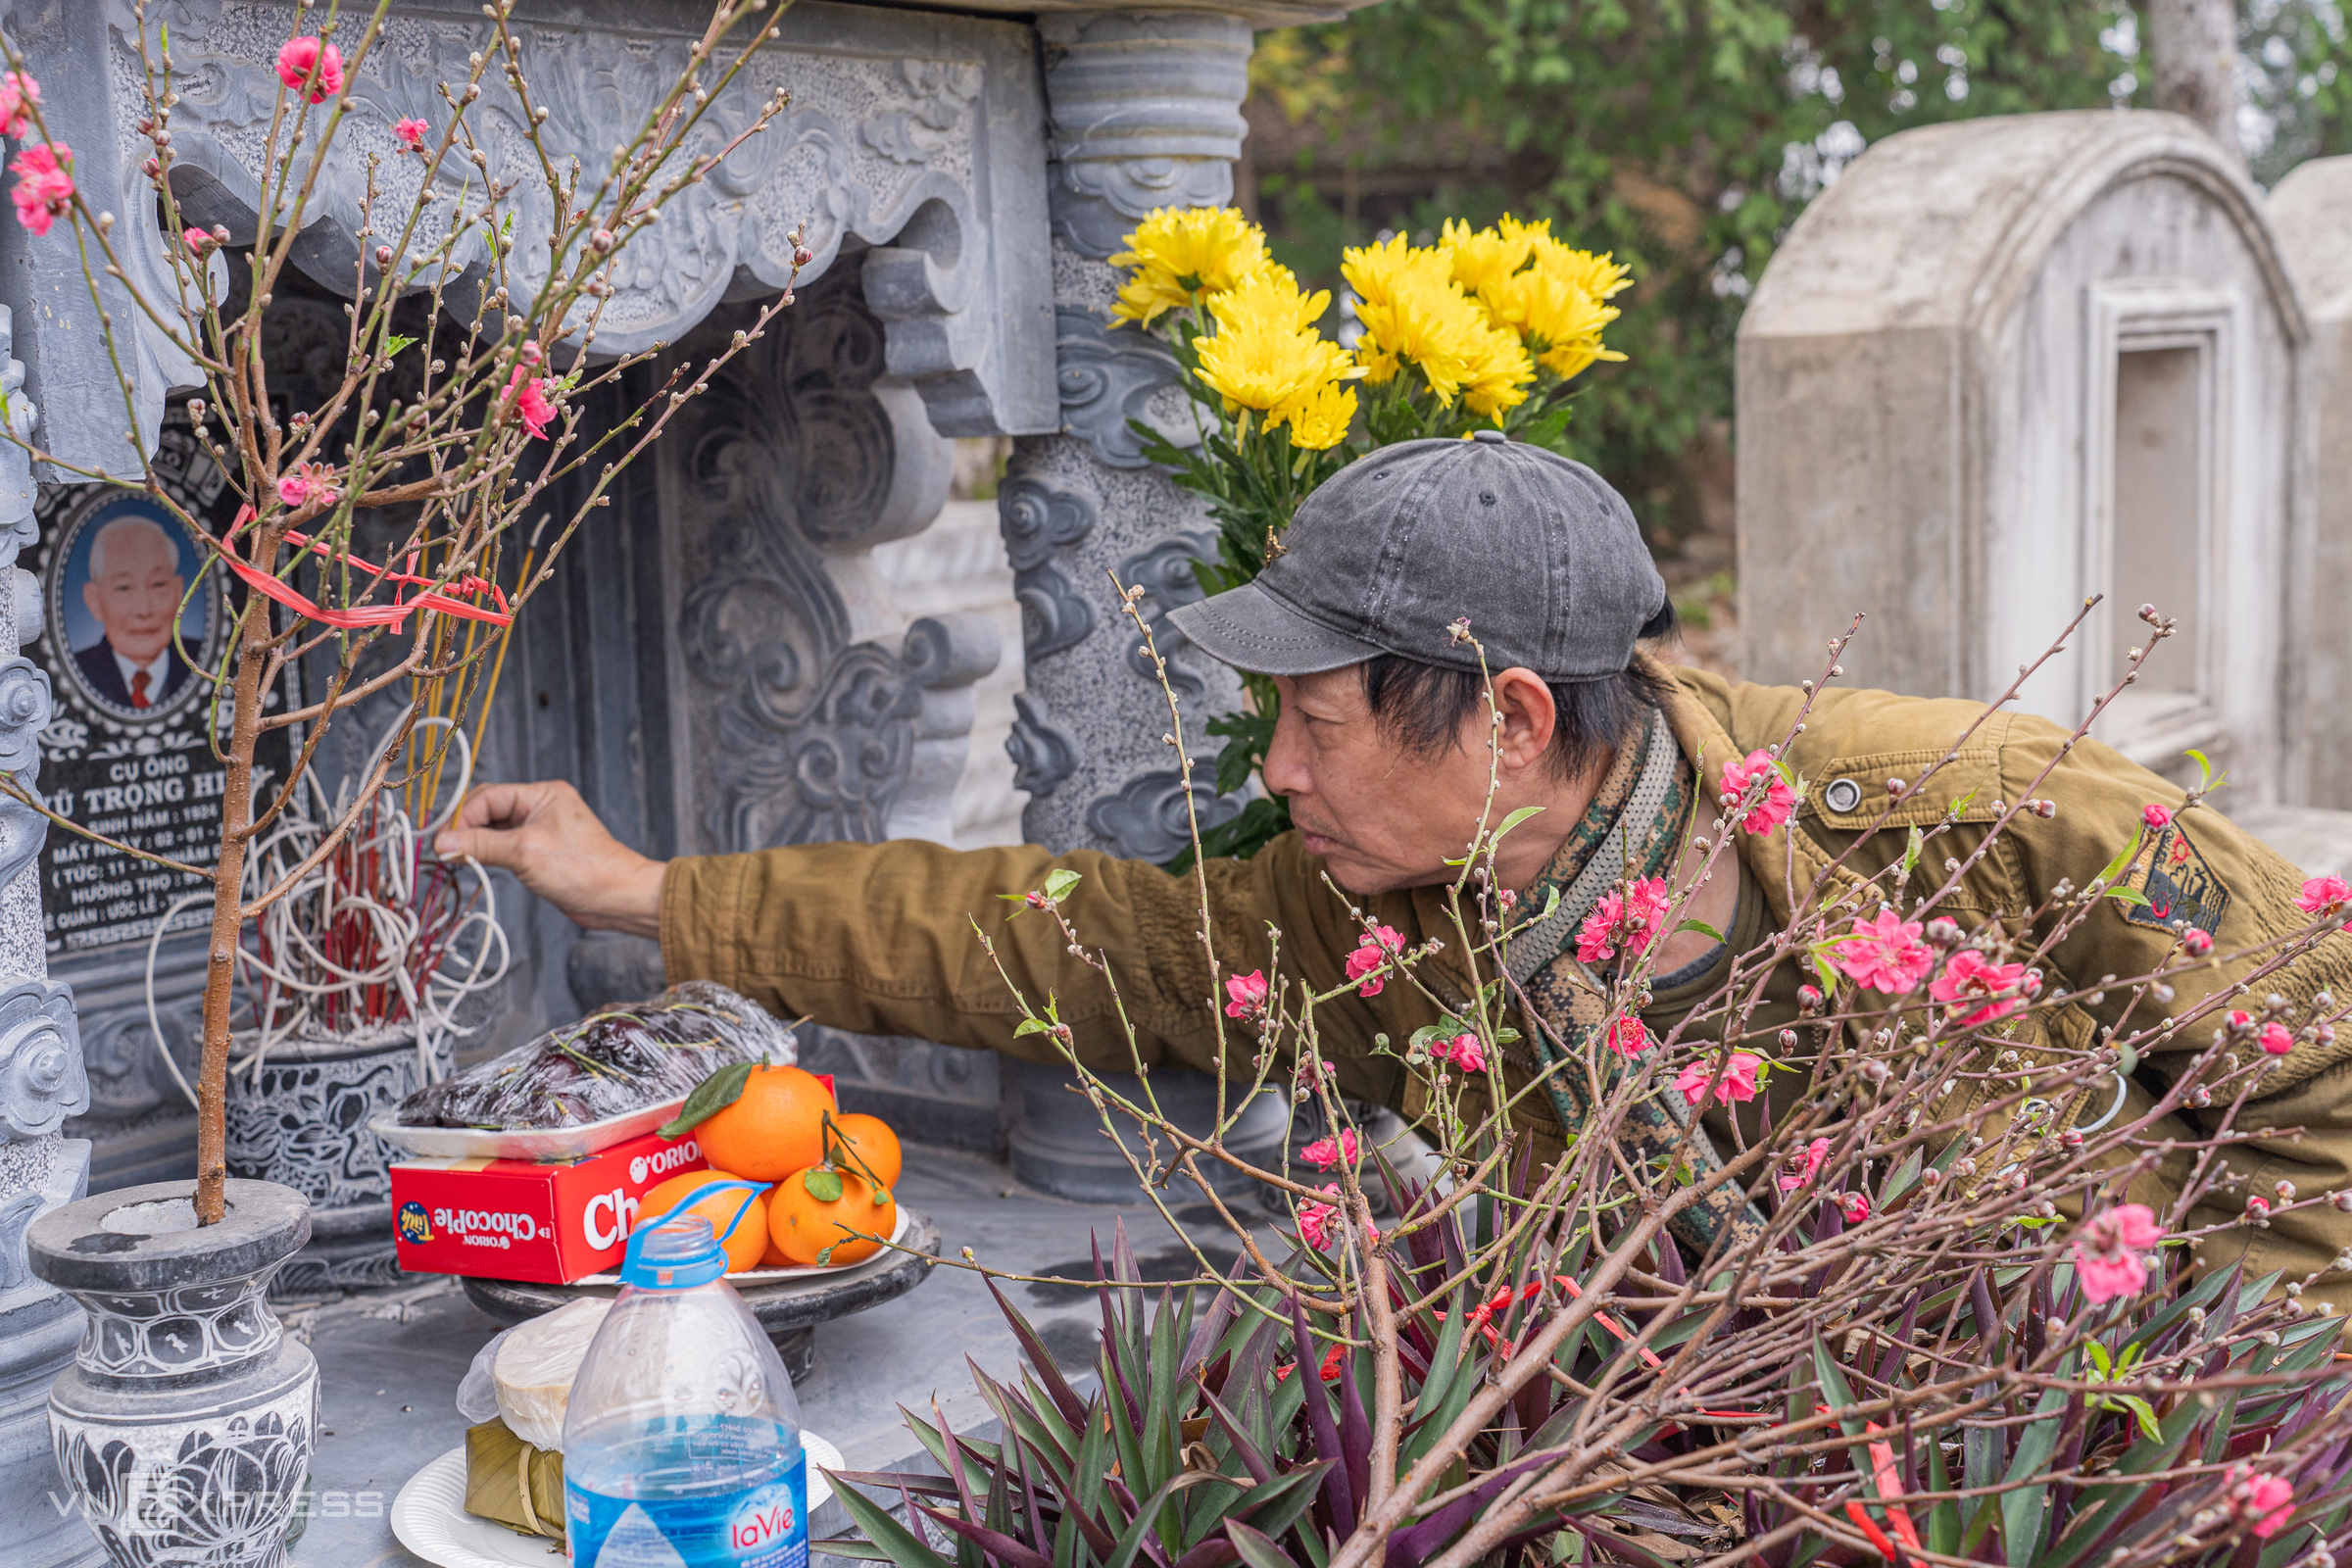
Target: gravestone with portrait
{"points": [[131, 619]]}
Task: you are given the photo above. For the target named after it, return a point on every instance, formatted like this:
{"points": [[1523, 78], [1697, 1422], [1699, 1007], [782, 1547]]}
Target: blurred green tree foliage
{"points": [[1685, 136]]}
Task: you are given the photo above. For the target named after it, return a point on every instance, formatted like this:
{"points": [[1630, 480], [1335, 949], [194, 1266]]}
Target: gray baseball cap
{"points": [[1539, 553]]}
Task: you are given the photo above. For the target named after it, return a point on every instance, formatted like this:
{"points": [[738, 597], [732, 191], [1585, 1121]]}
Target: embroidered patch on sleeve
{"points": [[2177, 884]]}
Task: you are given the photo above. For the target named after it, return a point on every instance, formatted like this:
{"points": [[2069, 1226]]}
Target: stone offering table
{"points": [[390, 1366]]}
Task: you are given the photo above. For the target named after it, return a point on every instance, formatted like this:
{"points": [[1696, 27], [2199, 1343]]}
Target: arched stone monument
{"points": [[2001, 366]]}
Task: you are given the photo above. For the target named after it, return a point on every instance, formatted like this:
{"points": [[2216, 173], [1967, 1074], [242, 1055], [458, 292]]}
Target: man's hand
{"points": [[546, 835]]}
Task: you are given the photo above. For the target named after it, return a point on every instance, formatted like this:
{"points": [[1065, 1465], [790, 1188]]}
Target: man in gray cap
{"points": [[1383, 752]]}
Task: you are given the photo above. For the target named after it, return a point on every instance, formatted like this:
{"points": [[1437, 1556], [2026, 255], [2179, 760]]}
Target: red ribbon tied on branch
{"points": [[391, 614]]}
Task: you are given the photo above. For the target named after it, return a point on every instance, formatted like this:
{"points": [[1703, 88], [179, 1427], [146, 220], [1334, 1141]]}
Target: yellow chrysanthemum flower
{"points": [[1411, 312], [1560, 323], [1265, 353], [1183, 255], [1597, 276], [1319, 421], [1481, 258], [1497, 377]]}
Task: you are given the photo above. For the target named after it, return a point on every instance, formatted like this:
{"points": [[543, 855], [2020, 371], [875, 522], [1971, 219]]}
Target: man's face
{"points": [[1381, 817], [138, 597]]}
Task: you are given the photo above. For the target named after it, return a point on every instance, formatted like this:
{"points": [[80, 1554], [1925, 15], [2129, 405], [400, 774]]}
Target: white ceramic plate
{"points": [[780, 1276], [430, 1519], [521, 1143]]}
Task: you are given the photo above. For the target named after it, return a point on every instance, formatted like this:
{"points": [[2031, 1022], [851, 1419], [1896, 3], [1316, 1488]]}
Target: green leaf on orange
{"points": [[712, 1096]]}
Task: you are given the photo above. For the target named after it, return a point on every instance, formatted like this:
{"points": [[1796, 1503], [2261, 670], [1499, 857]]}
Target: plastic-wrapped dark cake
{"points": [[612, 1062]]}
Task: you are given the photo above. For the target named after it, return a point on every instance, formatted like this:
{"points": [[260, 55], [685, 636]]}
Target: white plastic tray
{"points": [[522, 1142], [430, 1519]]}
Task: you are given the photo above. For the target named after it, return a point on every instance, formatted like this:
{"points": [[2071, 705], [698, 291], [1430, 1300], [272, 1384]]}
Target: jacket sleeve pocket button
{"points": [[1842, 795]]}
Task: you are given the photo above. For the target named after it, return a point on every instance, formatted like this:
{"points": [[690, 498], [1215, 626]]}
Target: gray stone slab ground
{"points": [[391, 1364]]}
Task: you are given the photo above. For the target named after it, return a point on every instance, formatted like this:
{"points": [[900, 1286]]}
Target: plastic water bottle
{"points": [[682, 1440]]}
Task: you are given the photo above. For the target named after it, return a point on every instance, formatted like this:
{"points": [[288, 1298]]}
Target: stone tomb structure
{"points": [[2002, 366], [719, 663], [2311, 211]]}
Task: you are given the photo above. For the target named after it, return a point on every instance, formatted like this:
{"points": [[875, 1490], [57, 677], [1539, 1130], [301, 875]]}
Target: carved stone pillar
{"points": [[41, 1076], [1145, 111]]}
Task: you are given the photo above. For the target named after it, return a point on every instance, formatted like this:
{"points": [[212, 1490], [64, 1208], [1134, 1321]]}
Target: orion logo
{"points": [[662, 1161]]}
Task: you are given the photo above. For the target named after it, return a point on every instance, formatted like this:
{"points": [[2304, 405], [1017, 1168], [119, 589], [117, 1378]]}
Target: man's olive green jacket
{"points": [[881, 939]]}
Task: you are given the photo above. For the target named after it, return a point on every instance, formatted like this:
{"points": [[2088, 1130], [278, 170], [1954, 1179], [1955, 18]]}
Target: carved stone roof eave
{"points": [[1946, 226], [914, 145]]}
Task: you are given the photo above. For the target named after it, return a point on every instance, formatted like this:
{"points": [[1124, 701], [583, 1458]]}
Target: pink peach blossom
{"points": [[1769, 811], [19, 92], [2107, 1252], [410, 132], [1855, 1206], [295, 59], [1384, 944], [1978, 990], [2270, 1499], [1739, 1079], [1248, 994], [1626, 1035], [1465, 1052], [1323, 1152], [1632, 918], [2156, 816], [44, 190], [1315, 1221], [2324, 894], [2276, 1040], [1815, 1152], [532, 404], [1886, 954]]}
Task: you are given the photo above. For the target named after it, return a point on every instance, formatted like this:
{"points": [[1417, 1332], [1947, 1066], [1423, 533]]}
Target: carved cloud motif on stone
{"points": [[27, 704], [1039, 518], [1165, 571], [1109, 376], [794, 733], [1044, 754], [41, 1079], [1147, 817]]}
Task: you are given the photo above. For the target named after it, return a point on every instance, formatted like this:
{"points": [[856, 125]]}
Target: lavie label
{"points": [[766, 1527]]}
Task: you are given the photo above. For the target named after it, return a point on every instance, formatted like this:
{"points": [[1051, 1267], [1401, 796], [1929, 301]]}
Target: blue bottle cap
{"points": [[680, 1249]]}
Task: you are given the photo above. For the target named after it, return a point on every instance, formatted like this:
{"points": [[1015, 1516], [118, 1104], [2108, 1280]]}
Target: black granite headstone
{"points": [[132, 751]]}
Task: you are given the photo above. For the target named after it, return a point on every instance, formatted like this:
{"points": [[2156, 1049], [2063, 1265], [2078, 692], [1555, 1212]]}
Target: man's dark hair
{"points": [[1423, 707]]}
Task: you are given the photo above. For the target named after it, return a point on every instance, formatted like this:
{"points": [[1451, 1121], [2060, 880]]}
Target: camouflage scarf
{"points": [[1632, 828]]}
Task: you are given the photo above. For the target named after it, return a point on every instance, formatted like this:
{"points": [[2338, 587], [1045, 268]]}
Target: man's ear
{"points": [[1529, 716]]}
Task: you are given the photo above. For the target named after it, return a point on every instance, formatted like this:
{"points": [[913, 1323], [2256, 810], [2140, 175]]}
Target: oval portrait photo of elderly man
{"points": [[119, 582]]}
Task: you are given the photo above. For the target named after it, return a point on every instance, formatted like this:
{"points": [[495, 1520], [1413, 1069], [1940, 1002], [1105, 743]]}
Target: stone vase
{"points": [[301, 1121], [184, 1428]]}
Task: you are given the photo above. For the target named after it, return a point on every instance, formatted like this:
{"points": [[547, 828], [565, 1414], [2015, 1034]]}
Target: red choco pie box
{"points": [[519, 1219], [548, 1222]]}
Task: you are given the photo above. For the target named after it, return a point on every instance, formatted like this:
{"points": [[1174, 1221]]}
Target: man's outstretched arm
{"points": [[546, 835]]}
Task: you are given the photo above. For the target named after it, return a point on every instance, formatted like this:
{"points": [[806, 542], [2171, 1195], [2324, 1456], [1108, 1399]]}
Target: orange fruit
{"points": [[875, 1143], [804, 1223], [751, 1238], [775, 1127]]}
